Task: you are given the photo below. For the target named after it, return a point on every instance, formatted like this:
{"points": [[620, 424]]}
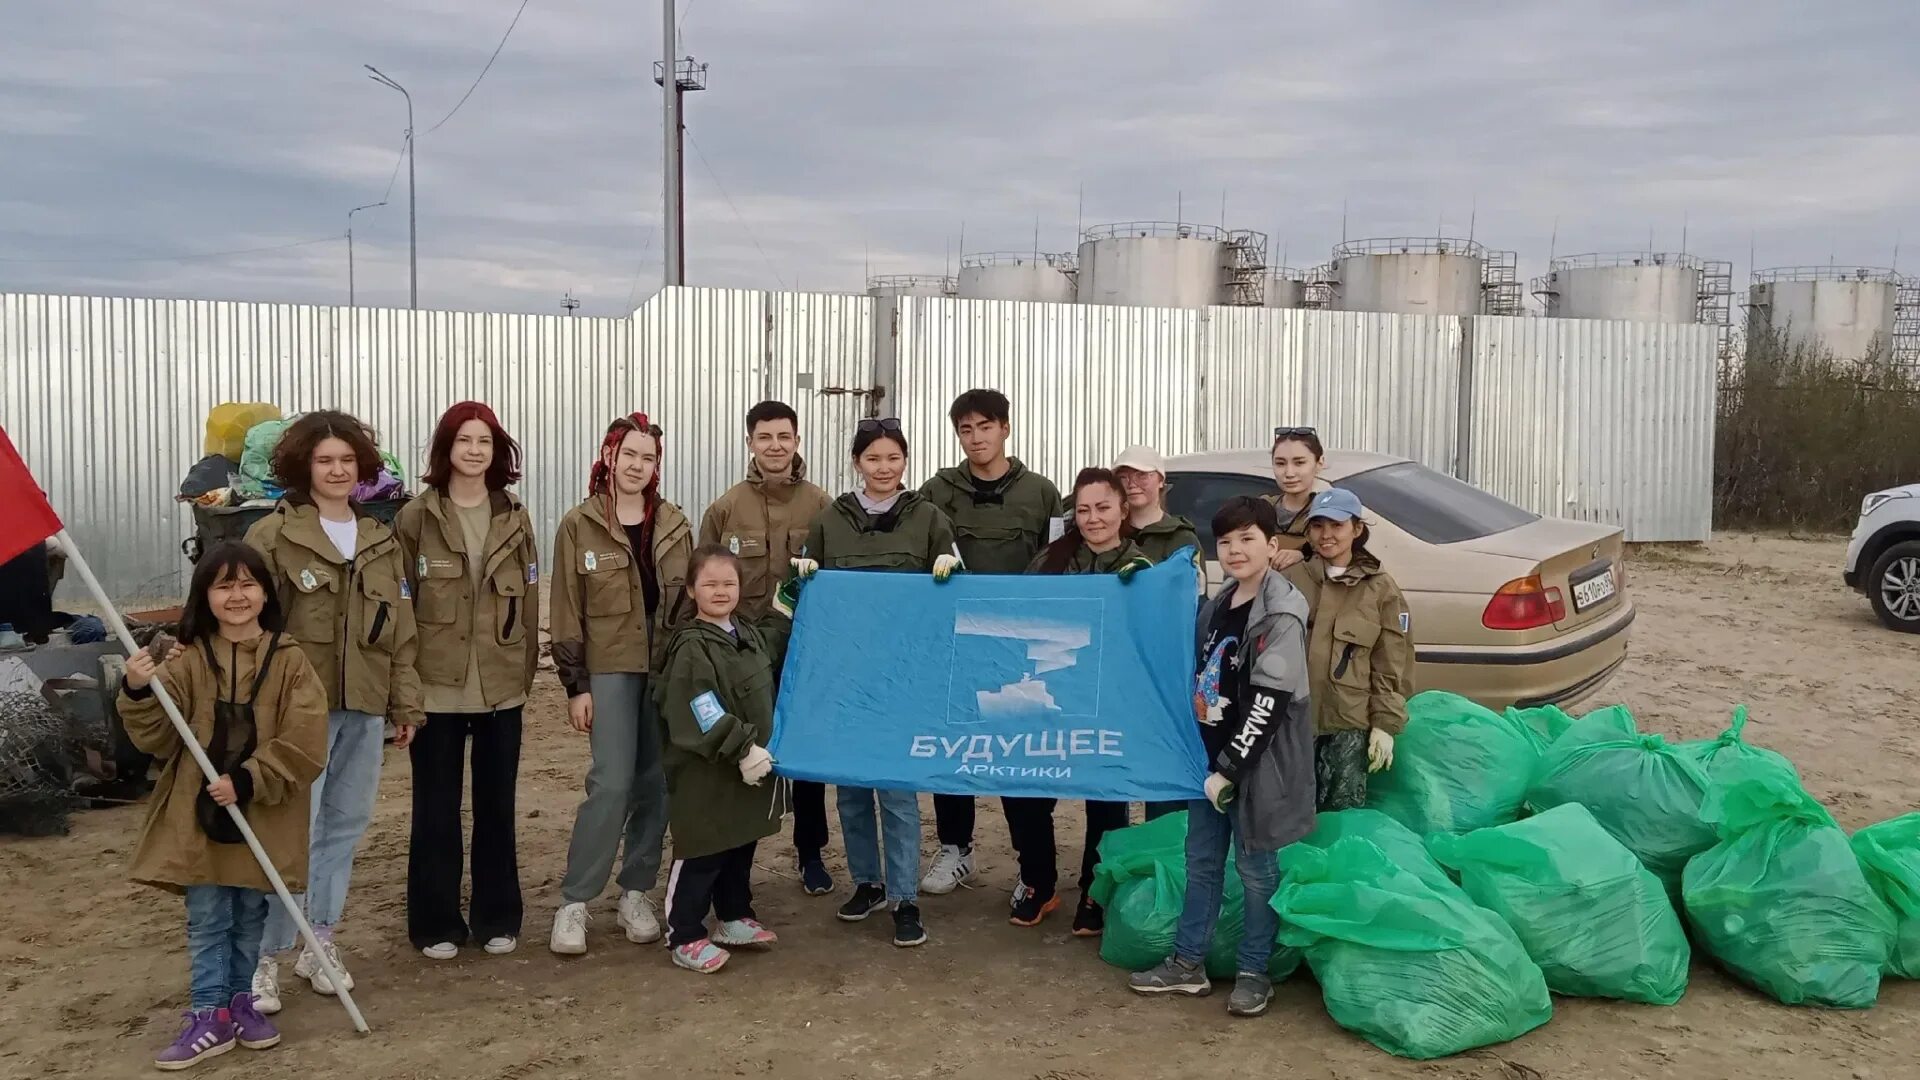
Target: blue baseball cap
{"points": [[1335, 504]]}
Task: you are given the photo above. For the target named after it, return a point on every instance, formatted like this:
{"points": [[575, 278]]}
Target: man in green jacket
{"points": [[1002, 515]]}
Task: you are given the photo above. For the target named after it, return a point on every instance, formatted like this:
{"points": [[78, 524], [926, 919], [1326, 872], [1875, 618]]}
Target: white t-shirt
{"points": [[344, 534]]}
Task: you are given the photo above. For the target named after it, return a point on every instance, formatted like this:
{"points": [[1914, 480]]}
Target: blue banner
{"points": [[1061, 686]]}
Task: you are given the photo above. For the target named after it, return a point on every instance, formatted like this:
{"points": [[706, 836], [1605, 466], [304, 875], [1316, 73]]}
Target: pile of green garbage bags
{"points": [[1457, 767]]}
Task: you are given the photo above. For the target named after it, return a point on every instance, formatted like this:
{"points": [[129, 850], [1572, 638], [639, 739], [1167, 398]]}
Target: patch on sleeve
{"points": [[707, 711], [1056, 528], [533, 573], [406, 591], [1406, 623]]}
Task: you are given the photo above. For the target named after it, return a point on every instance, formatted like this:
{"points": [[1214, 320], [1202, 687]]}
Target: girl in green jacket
{"points": [[715, 693]]}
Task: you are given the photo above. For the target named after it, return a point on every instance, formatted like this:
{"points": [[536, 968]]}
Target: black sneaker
{"points": [[907, 931], [866, 900], [1030, 906], [1089, 919], [815, 880]]}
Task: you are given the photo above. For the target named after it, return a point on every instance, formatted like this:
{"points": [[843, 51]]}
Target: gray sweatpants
{"points": [[626, 793]]}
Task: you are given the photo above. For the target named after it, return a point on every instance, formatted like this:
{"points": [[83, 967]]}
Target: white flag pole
{"points": [[192, 744]]}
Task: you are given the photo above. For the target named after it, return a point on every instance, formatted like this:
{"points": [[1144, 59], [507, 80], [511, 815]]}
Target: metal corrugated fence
{"points": [[1602, 421]]}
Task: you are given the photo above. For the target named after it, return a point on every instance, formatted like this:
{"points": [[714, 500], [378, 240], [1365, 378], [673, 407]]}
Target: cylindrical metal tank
{"points": [[1286, 288], [883, 285], [1846, 310], [1408, 276], [1658, 287], [1017, 275], [1155, 264]]}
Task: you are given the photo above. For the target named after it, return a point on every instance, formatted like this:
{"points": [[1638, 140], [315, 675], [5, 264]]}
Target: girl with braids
{"points": [[619, 576]]}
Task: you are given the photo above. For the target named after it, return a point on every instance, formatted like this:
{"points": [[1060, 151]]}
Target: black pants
{"points": [[1030, 821], [1162, 809], [434, 857], [809, 819], [721, 882], [953, 820]]}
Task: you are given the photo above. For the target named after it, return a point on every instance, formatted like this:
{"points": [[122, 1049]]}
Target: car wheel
{"points": [[1894, 587]]}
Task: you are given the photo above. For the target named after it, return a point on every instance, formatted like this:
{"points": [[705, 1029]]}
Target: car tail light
{"points": [[1524, 604]]}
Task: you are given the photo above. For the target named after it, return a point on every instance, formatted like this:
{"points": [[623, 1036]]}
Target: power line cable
{"points": [[484, 70], [715, 177], [182, 258]]}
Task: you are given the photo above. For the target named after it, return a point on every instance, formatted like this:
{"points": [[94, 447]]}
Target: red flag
{"points": [[27, 518]]}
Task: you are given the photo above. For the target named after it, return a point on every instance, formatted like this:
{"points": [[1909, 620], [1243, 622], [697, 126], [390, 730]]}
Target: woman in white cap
{"points": [[1157, 533]]}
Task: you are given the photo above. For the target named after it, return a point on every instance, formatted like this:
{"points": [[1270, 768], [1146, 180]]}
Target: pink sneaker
{"points": [[738, 932], [702, 956]]}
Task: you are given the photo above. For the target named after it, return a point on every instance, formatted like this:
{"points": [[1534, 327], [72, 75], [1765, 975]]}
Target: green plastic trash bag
{"points": [[1547, 722], [1597, 922], [1781, 901], [1716, 755], [1643, 790], [1133, 852], [1457, 767], [1398, 842], [1415, 971], [256, 480], [1142, 915], [1889, 854]]}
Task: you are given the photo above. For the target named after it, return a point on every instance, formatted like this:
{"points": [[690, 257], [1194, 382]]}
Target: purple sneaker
{"points": [[250, 1026], [207, 1033]]}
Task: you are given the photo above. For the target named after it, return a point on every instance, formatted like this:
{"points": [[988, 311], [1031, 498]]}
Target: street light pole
{"points": [[350, 213], [413, 237]]}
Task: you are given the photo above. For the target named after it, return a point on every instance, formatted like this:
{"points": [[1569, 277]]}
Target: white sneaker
{"points": [[266, 985], [638, 919], [309, 969], [569, 930], [501, 946], [952, 868], [442, 950]]}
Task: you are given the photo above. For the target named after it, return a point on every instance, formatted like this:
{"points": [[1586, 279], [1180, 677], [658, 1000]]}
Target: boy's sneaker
{"points": [[1173, 976], [250, 1029], [739, 932], [502, 945], [1030, 906], [952, 868], [1250, 996], [815, 880], [266, 985], [308, 968], [1089, 918], [569, 937], [206, 1033], [866, 900], [702, 956], [637, 918], [907, 931]]}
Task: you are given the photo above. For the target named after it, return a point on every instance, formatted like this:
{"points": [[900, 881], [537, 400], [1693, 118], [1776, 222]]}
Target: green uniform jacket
{"points": [[1000, 526], [1087, 561], [1359, 648], [715, 695], [1161, 539], [906, 538]]}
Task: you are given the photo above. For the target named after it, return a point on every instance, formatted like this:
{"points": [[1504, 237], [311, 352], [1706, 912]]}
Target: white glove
{"points": [[755, 764], [1379, 750], [1219, 791], [804, 567], [944, 566]]}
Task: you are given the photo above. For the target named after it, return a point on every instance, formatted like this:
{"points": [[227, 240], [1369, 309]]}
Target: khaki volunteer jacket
{"points": [[290, 732], [764, 522], [1359, 647], [598, 616], [497, 625], [354, 619]]}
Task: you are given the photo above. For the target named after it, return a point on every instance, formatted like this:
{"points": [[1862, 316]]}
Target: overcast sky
{"points": [[839, 137]]}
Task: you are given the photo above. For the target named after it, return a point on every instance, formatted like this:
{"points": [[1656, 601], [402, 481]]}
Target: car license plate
{"points": [[1596, 589]]}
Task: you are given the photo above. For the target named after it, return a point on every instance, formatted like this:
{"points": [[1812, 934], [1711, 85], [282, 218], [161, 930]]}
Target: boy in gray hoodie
{"points": [[1257, 725]]}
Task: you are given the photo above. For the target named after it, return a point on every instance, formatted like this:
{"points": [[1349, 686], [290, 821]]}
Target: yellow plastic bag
{"points": [[227, 426]]}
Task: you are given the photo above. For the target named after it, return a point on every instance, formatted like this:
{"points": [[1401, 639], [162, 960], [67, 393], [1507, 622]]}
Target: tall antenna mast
{"points": [[1179, 206], [1079, 215], [1223, 209]]}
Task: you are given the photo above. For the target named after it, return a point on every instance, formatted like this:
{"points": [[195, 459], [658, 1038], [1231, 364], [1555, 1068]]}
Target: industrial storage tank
{"points": [[885, 285], [1043, 277], [1286, 288], [1849, 311], [1637, 286], [1171, 264], [1409, 276]]}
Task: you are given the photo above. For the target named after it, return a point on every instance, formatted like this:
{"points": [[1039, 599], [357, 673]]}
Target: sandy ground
{"points": [[94, 969]]}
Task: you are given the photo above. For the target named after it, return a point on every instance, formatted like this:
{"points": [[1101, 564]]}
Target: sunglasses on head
{"points": [[1282, 434], [887, 424]]}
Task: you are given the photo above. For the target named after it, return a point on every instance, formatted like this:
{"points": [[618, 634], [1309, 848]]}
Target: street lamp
{"points": [[413, 238], [350, 213]]}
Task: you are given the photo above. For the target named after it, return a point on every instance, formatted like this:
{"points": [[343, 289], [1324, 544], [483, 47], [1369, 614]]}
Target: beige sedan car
{"points": [[1508, 607]]}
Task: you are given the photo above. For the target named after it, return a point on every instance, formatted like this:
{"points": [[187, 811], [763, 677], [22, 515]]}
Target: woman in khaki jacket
{"points": [[619, 579], [342, 579], [475, 575]]}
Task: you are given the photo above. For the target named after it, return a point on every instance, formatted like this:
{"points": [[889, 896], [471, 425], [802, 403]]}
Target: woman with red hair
{"points": [[619, 578], [475, 577]]}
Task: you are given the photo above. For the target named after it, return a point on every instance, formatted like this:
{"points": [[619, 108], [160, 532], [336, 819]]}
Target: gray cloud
{"points": [[853, 135]]}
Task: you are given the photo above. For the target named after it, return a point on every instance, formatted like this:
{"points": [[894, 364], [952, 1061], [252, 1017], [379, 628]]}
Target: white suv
{"points": [[1883, 560]]}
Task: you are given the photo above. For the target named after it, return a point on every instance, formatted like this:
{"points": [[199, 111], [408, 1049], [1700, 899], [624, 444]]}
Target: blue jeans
{"points": [[1208, 833], [858, 828], [223, 941], [342, 802]]}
